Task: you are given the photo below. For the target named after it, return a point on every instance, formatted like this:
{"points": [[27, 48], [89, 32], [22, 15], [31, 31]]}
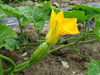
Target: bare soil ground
{"points": [[78, 57]]}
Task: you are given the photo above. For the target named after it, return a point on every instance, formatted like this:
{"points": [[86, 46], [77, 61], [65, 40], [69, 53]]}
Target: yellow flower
{"points": [[60, 26]]}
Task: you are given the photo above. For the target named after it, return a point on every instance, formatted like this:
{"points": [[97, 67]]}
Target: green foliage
{"points": [[6, 8], [90, 12], [30, 14], [48, 5], [5, 32], [80, 15], [40, 0], [6, 1], [2, 15], [94, 68], [11, 44], [38, 15], [1, 2], [96, 31], [1, 70]]}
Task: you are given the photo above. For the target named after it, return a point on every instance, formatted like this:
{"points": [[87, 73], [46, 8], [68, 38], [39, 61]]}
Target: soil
{"points": [[78, 57]]}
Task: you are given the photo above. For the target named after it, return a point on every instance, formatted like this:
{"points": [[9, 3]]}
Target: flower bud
{"points": [[40, 52]]}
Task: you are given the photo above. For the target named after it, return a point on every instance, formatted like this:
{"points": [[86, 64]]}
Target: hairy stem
{"points": [[21, 65], [74, 43], [30, 44], [22, 33], [85, 28], [82, 38], [28, 64], [12, 63], [68, 39], [39, 36]]}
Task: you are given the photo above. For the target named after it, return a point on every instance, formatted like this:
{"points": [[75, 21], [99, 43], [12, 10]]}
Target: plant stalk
{"points": [[74, 43], [71, 44], [39, 37], [30, 44], [85, 28], [23, 67], [22, 33], [12, 63], [82, 38]]}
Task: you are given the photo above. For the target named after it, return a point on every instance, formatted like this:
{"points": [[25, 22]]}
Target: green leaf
{"points": [[1, 70], [2, 43], [7, 9], [36, 15], [90, 12], [57, 11], [39, 24], [5, 32], [80, 15], [12, 44], [48, 5], [2, 13], [96, 31], [94, 68], [29, 14]]}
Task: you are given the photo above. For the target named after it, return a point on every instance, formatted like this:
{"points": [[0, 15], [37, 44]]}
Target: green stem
{"points": [[88, 29], [39, 36], [30, 44], [71, 44], [10, 2], [82, 38], [16, 1], [85, 28], [12, 63], [61, 47], [87, 41], [74, 43], [68, 39], [23, 67], [18, 66], [21, 30]]}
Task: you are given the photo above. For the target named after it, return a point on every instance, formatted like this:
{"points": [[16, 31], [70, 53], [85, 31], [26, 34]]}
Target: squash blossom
{"points": [[60, 26]]}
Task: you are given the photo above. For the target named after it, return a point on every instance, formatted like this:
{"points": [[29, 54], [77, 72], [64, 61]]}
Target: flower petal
{"points": [[53, 37], [60, 16], [70, 27], [52, 20]]}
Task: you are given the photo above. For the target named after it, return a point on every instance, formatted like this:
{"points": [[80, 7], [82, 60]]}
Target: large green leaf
{"points": [[80, 15], [36, 15], [29, 14], [12, 44], [90, 12], [8, 9], [96, 31], [2, 14], [5, 32], [39, 24], [2, 43], [94, 68], [1, 70]]}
